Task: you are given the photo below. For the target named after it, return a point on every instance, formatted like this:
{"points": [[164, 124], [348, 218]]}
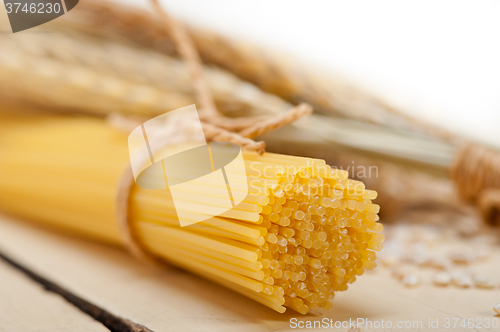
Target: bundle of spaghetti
{"points": [[303, 232]]}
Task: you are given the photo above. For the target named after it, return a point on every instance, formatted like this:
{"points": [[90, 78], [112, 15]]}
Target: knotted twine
{"points": [[476, 172], [216, 128]]}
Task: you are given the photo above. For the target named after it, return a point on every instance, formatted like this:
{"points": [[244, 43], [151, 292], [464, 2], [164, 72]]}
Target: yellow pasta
{"points": [[304, 232]]}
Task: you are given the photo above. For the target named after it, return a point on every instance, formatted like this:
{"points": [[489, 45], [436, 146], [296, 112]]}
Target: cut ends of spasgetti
{"points": [[170, 151]]}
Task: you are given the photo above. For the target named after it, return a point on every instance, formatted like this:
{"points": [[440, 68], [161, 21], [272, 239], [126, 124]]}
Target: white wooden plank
{"points": [[26, 306], [166, 299]]}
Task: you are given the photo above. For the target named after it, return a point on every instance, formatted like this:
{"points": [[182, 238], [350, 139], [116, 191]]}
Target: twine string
{"points": [[476, 173], [178, 129], [188, 53]]}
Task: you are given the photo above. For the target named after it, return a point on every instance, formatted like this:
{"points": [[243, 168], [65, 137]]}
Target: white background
{"points": [[438, 59]]}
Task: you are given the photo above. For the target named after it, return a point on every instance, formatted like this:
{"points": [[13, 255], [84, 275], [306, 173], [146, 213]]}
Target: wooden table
{"points": [[169, 299]]}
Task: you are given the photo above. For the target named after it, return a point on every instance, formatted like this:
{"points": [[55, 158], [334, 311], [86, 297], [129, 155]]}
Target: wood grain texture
{"points": [[26, 306], [168, 299]]}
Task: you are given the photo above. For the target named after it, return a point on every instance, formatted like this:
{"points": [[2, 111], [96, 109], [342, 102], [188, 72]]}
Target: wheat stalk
{"points": [[273, 74], [63, 69]]}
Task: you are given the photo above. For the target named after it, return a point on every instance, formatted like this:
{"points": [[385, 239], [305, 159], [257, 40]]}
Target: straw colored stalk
{"points": [[275, 74], [61, 69]]}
